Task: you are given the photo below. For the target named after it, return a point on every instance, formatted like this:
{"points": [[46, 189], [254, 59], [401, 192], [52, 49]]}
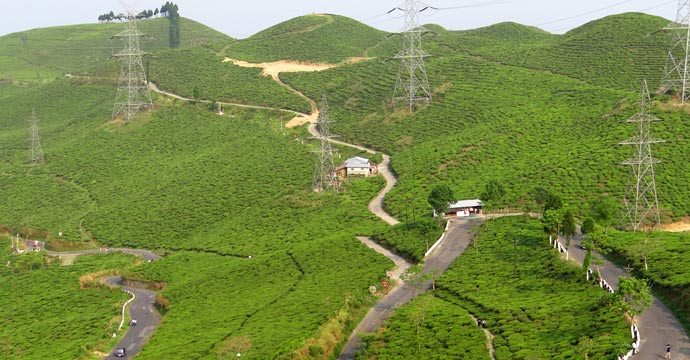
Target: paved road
{"points": [[454, 244], [657, 324], [142, 309]]}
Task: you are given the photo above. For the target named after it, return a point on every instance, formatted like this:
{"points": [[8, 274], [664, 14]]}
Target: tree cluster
{"points": [[171, 11], [166, 9]]}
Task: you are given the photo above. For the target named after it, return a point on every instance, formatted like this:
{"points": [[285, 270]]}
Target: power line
{"points": [[585, 13]]}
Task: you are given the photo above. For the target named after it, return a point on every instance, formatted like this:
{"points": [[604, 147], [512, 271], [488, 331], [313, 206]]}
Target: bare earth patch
{"points": [[680, 226], [273, 69]]}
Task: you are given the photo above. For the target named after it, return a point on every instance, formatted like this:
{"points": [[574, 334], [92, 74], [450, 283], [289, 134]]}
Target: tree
{"points": [[588, 225], [540, 195], [552, 202], [426, 227], [568, 229], [605, 211], [634, 295], [414, 276], [440, 197], [552, 223], [196, 94], [493, 192]]}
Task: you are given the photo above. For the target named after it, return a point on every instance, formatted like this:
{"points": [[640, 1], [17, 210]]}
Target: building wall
{"points": [[358, 171]]}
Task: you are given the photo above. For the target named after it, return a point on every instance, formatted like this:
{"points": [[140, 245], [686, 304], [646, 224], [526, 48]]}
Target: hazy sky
{"points": [[243, 18]]}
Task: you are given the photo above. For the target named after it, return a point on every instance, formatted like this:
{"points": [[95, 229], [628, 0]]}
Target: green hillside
{"points": [[316, 38], [184, 71], [617, 51], [515, 123], [185, 179], [251, 252], [43, 54]]}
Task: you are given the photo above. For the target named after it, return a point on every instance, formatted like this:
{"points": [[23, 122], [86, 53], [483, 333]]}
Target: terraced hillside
{"points": [[40, 55], [553, 123], [254, 259], [315, 38]]}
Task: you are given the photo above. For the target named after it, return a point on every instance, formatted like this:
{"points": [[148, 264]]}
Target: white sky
{"points": [[241, 19]]}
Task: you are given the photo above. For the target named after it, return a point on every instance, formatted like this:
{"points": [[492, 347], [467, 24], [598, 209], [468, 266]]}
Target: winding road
{"points": [[142, 308], [144, 311], [657, 325]]}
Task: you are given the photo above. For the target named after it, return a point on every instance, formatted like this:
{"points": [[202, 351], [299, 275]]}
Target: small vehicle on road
{"points": [[120, 352]]}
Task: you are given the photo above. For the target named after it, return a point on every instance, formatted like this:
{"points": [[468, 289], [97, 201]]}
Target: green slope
{"points": [[213, 190], [43, 54], [316, 38], [518, 124], [616, 51], [181, 178]]}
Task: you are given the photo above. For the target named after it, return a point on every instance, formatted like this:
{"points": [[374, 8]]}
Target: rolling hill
{"points": [[251, 252]]}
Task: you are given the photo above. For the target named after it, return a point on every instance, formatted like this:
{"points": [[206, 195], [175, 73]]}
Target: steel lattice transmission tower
{"points": [[641, 202], [412, 85], [676, 73], [132, 91], [324, 171], [35, 150]]}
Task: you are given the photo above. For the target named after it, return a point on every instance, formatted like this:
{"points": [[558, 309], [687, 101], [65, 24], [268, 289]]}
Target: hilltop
{"points": [[40, 55], [315, 38]]}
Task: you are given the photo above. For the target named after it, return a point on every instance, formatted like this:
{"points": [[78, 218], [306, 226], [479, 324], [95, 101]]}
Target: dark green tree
{"points": [[552, 202], [552, 222], [588, 225], [440, 197], [174, 24], [634, 295], [606, 210], [493, 192], [196, 94], [568, 229]]}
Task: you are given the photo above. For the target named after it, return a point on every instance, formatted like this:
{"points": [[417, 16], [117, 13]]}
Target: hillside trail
{"points": [[459, 233], [657, 325], [489, 339], [274, 69]]}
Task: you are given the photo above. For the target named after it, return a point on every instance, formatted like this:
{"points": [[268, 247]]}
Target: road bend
{"points": [[457, 239], [142, 309]]}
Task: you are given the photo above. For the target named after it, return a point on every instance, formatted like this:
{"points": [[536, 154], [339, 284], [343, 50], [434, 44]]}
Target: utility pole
{"points": [[324, 171], [676, 73], [35, 150], [641, 202], [132, 91], [412, 85]]}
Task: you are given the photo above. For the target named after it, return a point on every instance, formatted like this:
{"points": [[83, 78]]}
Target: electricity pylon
{"points": [[641, 202], [132, 91], [676, 73], [324, 170], [412, 85], [35, 150]]}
